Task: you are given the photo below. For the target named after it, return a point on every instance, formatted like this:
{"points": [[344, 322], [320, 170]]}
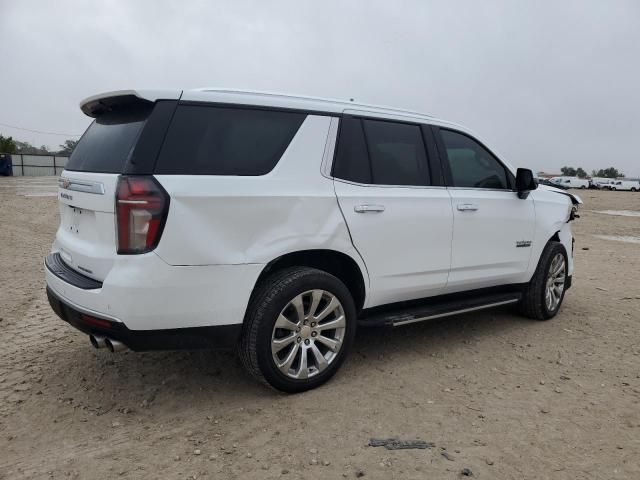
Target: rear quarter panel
{"points": [[216, 220]]}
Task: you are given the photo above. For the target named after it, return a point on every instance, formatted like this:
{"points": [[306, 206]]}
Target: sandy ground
{"points": [[503, 396]]}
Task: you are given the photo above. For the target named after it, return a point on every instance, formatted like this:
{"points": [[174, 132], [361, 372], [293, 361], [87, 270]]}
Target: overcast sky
{"points": [[545, 83]]}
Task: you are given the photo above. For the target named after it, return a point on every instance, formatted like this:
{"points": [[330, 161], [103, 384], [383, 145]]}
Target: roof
{"points": [[262, 99], [292, 101], [96, 104]]}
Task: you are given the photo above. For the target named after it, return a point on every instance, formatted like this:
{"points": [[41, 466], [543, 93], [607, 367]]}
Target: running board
{"points": [[437, 309]]}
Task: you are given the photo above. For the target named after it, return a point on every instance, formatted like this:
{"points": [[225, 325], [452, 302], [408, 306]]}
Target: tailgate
{"points": [[86, 238]]}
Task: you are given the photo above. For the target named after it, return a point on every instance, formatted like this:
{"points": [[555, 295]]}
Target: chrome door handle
{"points": [[368, 208], [467, 207]]}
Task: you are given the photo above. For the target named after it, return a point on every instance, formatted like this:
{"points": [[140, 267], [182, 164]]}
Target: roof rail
{"points": [[346, 103]]}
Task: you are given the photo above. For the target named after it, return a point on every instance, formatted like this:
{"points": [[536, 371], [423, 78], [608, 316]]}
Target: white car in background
{"points": [[628, 185], [279, 224], [571, 182]]}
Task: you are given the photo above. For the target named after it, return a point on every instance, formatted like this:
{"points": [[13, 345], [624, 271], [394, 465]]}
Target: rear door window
{"points": [[108, 142], [380, 152], [397, 153], [211, 140]]}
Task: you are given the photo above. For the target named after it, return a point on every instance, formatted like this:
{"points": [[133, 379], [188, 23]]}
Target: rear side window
{"points": [[108, 142], [204, 140], [472, 165], [396, 152], [381, 153]]}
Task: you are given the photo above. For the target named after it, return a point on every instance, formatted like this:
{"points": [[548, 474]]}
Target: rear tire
{"points": [[544, 294], [582, 187], [286, 341]]}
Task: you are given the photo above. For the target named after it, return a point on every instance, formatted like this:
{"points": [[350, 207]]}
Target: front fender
{"points": [[553, 214]]}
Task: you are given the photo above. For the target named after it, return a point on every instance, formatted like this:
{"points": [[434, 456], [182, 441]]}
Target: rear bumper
{"points": [[55, 264], [145, 293], [223, 336]]}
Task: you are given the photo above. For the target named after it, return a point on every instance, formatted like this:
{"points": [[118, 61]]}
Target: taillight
{"points": [[141, 210]]}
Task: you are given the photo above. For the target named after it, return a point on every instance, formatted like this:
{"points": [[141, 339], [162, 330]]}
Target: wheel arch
{"points": [[337, 263], [561, 234]]}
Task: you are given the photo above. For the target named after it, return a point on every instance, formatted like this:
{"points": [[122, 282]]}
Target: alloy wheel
{"points": [[308, 334], [555, 282]]}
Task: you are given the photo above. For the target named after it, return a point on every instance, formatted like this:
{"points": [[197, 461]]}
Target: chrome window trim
{"points": [[375, 185], [483, 189]]}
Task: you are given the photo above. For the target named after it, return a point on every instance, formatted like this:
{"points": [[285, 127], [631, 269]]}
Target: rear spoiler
{"points": [[96, 105]]}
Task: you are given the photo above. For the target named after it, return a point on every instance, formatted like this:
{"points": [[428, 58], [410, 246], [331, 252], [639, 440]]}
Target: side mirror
{"points": [[525, 182]]}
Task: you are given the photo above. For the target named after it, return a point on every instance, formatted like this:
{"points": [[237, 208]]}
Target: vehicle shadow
{"points": [[203, 378], [442, 334]]}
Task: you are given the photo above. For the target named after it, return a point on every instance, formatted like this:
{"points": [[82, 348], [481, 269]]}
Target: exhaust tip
{"points": [[114, 345], [97, 342]]}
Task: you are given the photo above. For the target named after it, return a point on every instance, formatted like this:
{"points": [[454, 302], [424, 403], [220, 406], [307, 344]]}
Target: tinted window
{"points": [[471, 164], [205, 140], [109, 140], [396, 152], [352, 162], [381, 153]]}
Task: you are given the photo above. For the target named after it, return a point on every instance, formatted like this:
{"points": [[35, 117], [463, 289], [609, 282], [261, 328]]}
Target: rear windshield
{"points": [[211, 140], [109, 141]]}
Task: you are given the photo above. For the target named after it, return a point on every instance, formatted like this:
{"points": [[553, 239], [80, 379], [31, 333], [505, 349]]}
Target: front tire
{"points": [[298, 329], [543, 295]]}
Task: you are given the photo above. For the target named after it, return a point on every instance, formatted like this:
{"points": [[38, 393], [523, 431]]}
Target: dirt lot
{"points": [[505, 396]]}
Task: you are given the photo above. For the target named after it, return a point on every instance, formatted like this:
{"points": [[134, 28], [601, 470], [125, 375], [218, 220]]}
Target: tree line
{"points": [[579, 172], [9, 145]]}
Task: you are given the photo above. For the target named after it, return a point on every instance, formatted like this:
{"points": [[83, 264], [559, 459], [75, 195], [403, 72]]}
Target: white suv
{"points": [[278, 224]]}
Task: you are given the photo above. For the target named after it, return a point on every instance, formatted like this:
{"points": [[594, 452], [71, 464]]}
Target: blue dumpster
{"points": [[6, 165]]}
